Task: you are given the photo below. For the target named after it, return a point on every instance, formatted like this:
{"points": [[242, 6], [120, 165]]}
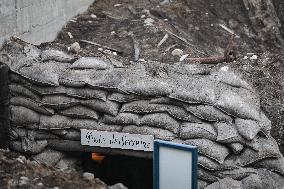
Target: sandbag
{"points": [[231, 101], [247, 128], [75, 78], [265, 124], [59, 101], [272, 164], [207, 112], [202, 184], [54, 122], [108, 107], [30, 104], [143, 107], [225, 183], [35, 134], [122, 119], [66, 163], [23, 116], [35, 148], [91, 63], [252, 182], [181, 114], [122, 98], [206, 175], [108, 80], [227, 133], [201, 89], [212, 165], [236, 147], [20, 90], [210, 149], [270, 179], [145, 130], [160, 120], [237, 174], [147, 87], [198, 130], [48, 157], [72, 134], [93, 125], [263, 148], [56, 55], [79, 111]]}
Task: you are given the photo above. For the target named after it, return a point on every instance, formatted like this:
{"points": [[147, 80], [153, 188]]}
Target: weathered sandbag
{"points": [[179, 69], [30, 104], [122, 119], [210, 149], [207, 175], [48, 157], [272, 164], [72, 134], [143, 107], [108, 107], [263, 148], [207, 112], [236, 174], [107, 79], [20, 90], [236, 147], [145, 130], [232, 102], [23, 116], [227, 76], [41, 74], [36, 134], [227, 133], [147, 87], [252, 182], [160, 120], [270, 179], [198, 130], [17, 79], [91, 63], [75, 78], [265, 124], [122, 98], [93, 125], [54, 122], [56, 55], [46, 90], [79, 111], [181, 114], [192, 90], [59, 101], [247, 128], [212, 165], [225, 183], [31, 51], [202, 184], [35, 148]]}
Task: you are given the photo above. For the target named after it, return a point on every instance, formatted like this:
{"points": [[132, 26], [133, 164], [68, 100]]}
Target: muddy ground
{"points": [[200, 29]]}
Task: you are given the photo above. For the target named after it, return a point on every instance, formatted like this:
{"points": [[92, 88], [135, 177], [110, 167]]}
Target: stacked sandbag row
{"points": [[54, 95]]}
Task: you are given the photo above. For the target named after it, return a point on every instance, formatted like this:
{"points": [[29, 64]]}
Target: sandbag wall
{"points": [[54, 95]]}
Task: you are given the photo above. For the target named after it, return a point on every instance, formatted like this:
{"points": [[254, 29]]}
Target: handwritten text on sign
{"points": [[117, 140]]}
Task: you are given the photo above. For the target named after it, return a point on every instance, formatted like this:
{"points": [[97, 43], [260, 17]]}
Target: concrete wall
{"points": [[37, 21]]}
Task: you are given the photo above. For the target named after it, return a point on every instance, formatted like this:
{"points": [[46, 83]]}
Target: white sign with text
{"points": [[117, 140]]}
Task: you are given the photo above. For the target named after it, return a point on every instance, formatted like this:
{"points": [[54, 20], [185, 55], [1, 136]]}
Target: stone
{"points": [[88, 176], [117, 186], [177, 52]]}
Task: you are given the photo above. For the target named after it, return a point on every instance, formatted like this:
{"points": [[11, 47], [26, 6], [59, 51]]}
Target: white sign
{"points": [[117, 140], [175, 165]]}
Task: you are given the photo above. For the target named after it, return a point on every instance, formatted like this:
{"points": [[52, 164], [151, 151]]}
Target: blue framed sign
{"points": [[175, 165]]}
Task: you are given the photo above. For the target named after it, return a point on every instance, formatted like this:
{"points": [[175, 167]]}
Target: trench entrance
{"points": [[133, 172]]}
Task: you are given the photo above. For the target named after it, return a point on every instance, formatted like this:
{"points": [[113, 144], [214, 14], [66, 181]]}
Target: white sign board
{"points": [[117, 140], [175, 166]]}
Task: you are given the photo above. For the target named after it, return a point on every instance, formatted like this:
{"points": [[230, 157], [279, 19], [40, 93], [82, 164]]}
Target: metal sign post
{"points": [[175, 165]]}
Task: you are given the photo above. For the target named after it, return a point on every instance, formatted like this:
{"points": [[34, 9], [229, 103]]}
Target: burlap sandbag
{"points": [[247, 128], [108, 107], [207, 175], [122, 98], [146, 130], [226, 183], [79, 111], [59, 101], [198, 130], [55, 55], [35, 148], [122, 119], [30, 104], [23, 116], [210, 149], [54, 122], [97, 63], [227, 133], [272, 164], [20, 90], [48, 157], [160, 120], [236, 147], [36, 134], [212, 165], [237, 174]]}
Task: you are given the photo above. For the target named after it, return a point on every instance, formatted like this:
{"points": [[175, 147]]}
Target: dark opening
{"points": [[133, 172]]}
